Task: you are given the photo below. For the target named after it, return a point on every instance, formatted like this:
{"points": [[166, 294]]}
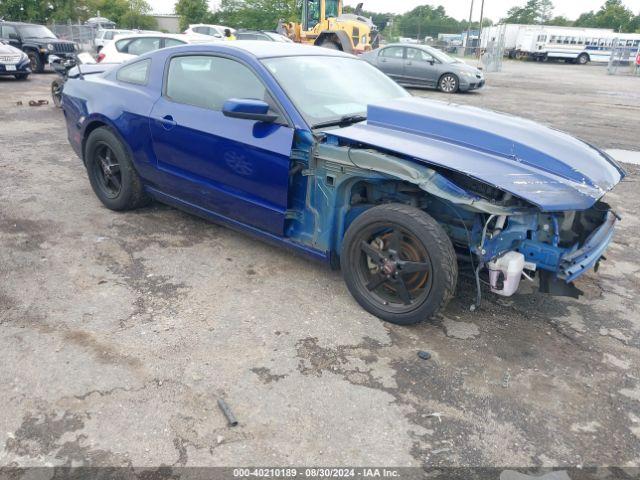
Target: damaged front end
{"points": [[516, 198], [496, 231], [559, 246]]}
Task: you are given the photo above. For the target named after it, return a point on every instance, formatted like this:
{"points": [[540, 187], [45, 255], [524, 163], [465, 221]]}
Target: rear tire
{"points": [[111, 172], [399, 264], [449, 83], [583, 59], [37, 66]]}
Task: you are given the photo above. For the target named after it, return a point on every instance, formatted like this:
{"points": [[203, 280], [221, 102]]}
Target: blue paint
{"points": [[268, 179]]}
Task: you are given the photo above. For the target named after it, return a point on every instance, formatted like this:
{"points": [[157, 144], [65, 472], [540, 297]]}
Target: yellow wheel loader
{"points": [[324, 24]]}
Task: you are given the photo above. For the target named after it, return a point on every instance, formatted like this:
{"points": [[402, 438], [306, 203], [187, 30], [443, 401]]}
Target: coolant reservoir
{"points": [[505, 273]]}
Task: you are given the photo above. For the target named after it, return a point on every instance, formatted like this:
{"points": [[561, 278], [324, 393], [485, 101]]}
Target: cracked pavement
{"points": [[118, 332]]}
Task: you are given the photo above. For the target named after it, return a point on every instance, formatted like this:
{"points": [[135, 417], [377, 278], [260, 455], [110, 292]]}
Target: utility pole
{"points": [[480, 29], [466, 41]]}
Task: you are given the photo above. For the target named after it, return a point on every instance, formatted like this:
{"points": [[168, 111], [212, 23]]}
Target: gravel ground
{"points": [[118, 332]]}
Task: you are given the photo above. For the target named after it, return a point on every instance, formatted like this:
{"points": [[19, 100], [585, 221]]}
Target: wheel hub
{"points": [[389, 267]]}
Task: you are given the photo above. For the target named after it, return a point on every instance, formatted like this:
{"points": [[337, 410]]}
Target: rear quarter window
{"points": [[136, 73]]}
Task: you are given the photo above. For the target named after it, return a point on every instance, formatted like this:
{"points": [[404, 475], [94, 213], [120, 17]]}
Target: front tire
{"points": [[330, 45], [449, 83], [21, 76], [399, 264], [56, 92], [583, 59], [37, 65], [113, 178]]}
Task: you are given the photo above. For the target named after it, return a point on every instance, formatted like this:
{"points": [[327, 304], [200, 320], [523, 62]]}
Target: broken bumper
{"points": [[574, 264]]}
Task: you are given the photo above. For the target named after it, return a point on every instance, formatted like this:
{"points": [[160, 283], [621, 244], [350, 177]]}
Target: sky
{"points": [[493, 9]]}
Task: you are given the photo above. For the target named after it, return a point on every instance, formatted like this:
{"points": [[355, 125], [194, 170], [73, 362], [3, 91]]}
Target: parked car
{"points": [[13, 62], [105, 36], [37, 41], [128, 46], [261, 35], [100, 23], [424, 66], [318, 151], [216, 31]]}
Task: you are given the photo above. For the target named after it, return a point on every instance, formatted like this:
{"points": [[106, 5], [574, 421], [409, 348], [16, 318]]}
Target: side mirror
{"points": [[248, 109]]}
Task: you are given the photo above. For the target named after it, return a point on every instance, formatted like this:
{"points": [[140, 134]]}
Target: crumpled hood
{"points": [[546, 167]]}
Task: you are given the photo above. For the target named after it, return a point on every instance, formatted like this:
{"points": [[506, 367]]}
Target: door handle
{"points": [[383, 60], [409, 62], [167, 122]]}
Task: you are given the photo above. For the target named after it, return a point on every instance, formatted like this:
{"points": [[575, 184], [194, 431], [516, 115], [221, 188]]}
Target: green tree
{"points": [[587, 19], [613, 14], [426, 20], [138, 16], [192, 11], [533, 12], [256, 14], [560, 21]]}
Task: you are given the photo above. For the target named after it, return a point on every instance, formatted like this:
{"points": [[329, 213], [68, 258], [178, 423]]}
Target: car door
{"points": [[237, 168], [391, 61], [420, 67]]}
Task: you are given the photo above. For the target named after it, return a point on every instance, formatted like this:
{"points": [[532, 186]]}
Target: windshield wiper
{"points": [[341, 122]]}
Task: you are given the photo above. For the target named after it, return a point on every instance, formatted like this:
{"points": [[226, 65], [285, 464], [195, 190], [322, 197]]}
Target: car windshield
{"points": [[440, 55], [326, 89], [36, 31]]}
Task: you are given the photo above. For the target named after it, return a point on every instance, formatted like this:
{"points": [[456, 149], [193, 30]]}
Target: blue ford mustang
{"points": [[318, 151]]}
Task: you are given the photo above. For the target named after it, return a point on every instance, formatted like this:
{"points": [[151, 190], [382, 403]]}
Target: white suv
{"points": [[105, 36], [216, 31]]}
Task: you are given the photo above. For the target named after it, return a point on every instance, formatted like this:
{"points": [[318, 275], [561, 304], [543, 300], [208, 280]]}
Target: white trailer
{"points": [[575, 44], [505, 34]]}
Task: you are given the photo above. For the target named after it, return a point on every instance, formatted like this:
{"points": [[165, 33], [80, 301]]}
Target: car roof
{"points": [[177, 36], [20, 23], [264, 49]]}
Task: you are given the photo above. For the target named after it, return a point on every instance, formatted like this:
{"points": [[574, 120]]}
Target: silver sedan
{"points": [[423, 66]]}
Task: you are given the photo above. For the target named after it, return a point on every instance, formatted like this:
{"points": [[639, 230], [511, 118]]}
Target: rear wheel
{"points": [[399, 264], [449, 83], [583, 59], [37, 66], [111, 173]]}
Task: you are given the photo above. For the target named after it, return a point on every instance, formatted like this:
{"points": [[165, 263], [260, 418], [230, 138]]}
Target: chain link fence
{"points": [[83, 35], [625, 58], [493, 53]]}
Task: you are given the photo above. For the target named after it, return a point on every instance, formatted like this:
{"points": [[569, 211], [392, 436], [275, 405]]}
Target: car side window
{"points": [[419, 55], [9, 32], [208, 82], [200, 30], [136, 73], [392, 52], [108, 35], [140, 46], [172, 42]]}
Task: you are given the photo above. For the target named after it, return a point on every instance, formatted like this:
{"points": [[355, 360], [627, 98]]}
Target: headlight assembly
{"points": [[50, 47]]}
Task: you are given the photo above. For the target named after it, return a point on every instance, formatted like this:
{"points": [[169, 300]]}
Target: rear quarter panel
{"points": [[97, 100]]}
